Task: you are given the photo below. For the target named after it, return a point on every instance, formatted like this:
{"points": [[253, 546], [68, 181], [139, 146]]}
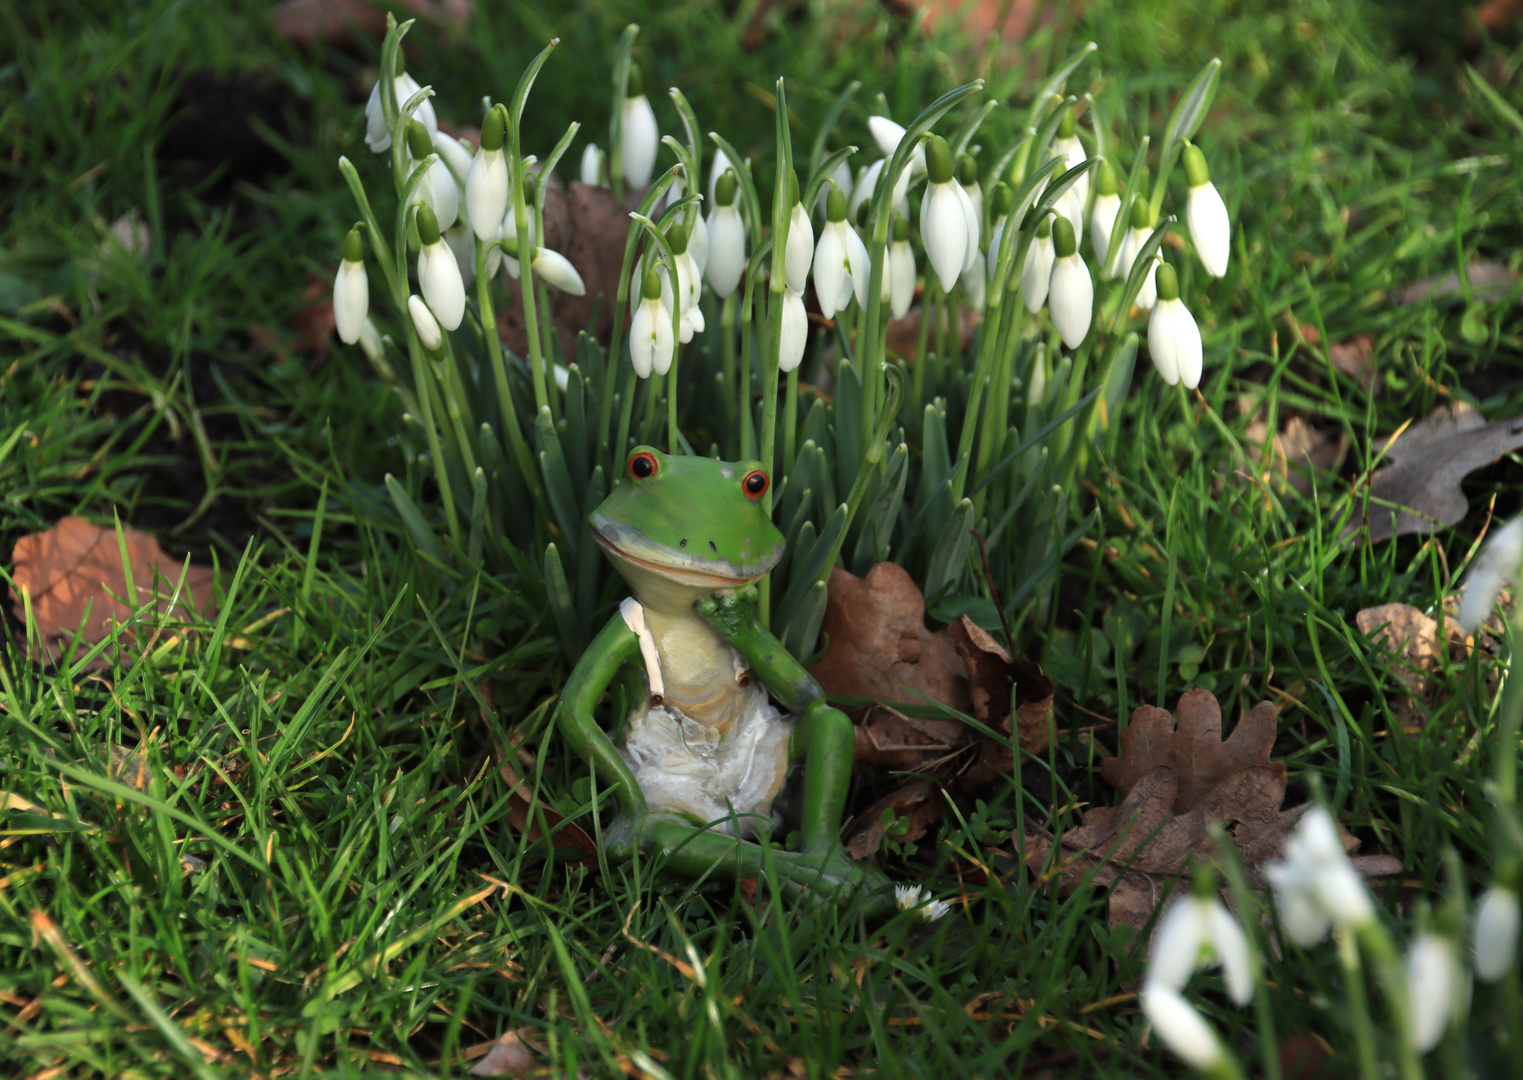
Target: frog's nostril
{"points": [[682, 542], [714, 547]]}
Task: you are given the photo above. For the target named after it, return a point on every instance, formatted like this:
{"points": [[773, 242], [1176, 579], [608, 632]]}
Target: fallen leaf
{"points": [[1409, 636], [1356, 359], [1488, 281], [1299, 452], [1418, 490], [879, 645], [74, 577], [526, 810], [992, 677], [889, 739], [919, 805], [1304, 1057], [507, 1057]]}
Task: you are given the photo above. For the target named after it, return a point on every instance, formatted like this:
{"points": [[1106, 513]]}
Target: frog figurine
{"points": [[700, 764]]}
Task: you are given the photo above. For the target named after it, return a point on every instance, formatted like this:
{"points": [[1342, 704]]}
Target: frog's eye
{"points": [[755, 484], [642, 466]]}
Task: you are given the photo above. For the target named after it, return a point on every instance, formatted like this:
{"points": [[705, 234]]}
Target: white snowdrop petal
{"points": [[996, 237], [1433, 981], [1496, 933], [665, 345], [1102, 220], [831, 287], [1072, 207], [424, 322], [641, 138], [974, 286], [901, 273], [591, 171], [795, 332], [486, 193], [441, 284], [1036, 275], [1071, 299], [377, 134], [1232, 951], [800, 250], [1147, 296], [727, 250], [944, 232], [456, 156], [1182, 1029], [971, 220], [1210, 228], [462, 246], [1161, 342], [1495, 567], [441, 193], [716, 170], [698, 244], [642, 335], [351, 300], [557, 270], [1175, 948], [858, 264]]}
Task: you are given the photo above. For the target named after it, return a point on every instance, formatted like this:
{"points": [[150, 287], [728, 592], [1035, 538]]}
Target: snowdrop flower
{"points": [[727, 238], [901, 269], [638, 134], [462, 246], [1206, 214], [800, 251], [717, 170], [1315, 885], [944, 215], [351, 290], [486, 184], [1173, 337], [795, 332], [650, 331], [972, 207], [1198, 932], [371, 344], [424, 322], [1036, 274], [1131, 247], [1182, 1029], [1495, 569], [1435, 989], [1071, 150], [698, 235], [456, 155], [867, 185], [593, 164], [1496, 933], [1001, 199], [841, 178], [437, 190], [1071, 295], [888, 135], [508, 234], [438, 273], [841, 266], [557, 270], [689, 284], [404, 86], [1102, 218]]}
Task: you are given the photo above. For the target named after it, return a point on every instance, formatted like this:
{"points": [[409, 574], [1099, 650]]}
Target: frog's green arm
{"points": [[594, 671], [823, 735]]}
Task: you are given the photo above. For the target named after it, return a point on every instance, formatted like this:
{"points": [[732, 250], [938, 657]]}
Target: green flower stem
{"points": [[790, 422], [378, 242], [1364, 1031], [526, 278], [452, 391], [1507, 734], [727, 352], [422, 376], [550, 342], [626, 411], [750, 302], [673, 440], [517, 446]]}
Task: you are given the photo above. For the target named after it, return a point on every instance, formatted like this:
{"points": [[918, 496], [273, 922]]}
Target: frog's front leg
{"points": [[822, 737]]}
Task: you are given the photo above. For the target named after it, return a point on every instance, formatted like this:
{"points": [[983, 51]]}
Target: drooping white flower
{"points": [[1182, 1029], [800, 253], [1067, 146], [639, 135], [650, 331], [1036, 273], [1496, 932], [1199, 932], [1131, 247], [593, 164], [901, 269], [795, 332], [727, 238], [438, 274], [1071, 294], [557, 270], [943, 215], [1495, 568], [717, 169], [1436, 986], [888, 135], [966, 183], [371, 344], [841, 265], [1210, 228], [351, 290], [1173, 337], [424, 322], [689, 284], [462, 245], [437, 189], [1316, 885], [932, 910], [866, 186], [840, 176], [486, 184], [456, 155], [404, 86], [1102, 219]]}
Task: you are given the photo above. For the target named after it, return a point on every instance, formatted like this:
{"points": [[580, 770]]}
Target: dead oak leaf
{"points": [[526, 811], [1356, 359], [1299, 452], [75, 579], [1194, 750], [1418, 490], [1408, 636], [508, 1056], [912, 810]]}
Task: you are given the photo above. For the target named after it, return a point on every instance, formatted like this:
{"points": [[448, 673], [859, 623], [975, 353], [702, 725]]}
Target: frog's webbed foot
{"points": [[732, 614]]}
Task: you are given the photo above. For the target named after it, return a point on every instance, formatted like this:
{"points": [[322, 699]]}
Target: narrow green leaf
{"points": [[412, 517]]}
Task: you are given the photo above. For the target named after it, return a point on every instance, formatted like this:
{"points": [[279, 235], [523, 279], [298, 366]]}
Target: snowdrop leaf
{"points": [[1060, 76], [526, 82], [823, 173], [1143, 265], [1186, 118], [827, 125]]}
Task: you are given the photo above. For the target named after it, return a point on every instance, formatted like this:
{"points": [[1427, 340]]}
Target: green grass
{"points": [[318, 871]]}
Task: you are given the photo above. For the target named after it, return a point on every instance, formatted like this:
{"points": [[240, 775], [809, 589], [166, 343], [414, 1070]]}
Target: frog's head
{"points": [[690, 520]]}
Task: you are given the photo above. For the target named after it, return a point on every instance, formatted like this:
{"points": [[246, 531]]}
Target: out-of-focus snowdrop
{"points": [[594, 165], [1036, 274], [1102, 219], [437, 190], [1495, 569], [639, 136], [1206, 214], [901, 269], [404, 86]]}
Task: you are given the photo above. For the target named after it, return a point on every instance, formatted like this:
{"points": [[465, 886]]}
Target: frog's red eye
{"points": [[642, 466], [755, 483]]}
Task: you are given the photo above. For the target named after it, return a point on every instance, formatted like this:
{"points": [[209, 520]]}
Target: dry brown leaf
{"points": [[1488, 281], [992, 675], [507, 1057], [1305, 1057], [879, 645], [1410, 636], [1356, 359], [1424, 467], [75, 568], [527, 811], [890, 739], [1298, 452], [920, 804]]}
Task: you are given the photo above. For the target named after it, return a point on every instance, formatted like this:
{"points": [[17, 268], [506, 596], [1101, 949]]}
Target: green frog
{"points": [[730, 726]]}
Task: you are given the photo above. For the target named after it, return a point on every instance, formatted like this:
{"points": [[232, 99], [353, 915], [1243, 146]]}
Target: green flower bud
{"points": [[967, 170], [1142, 214], [400, 67], [726, 188], [793, 188], [418, 142], [835, 205], [1001, 199], [1168, 283], [1044, 228], [1196, 171], [676, 235], [354, 246], [509, 245], [1063, 243], [1068, 125], [634, 83], [494, 128], [531, 188], [650, 287], [428, 225], [864, 209], [938, 160], [901, 229], [1109, 183]]}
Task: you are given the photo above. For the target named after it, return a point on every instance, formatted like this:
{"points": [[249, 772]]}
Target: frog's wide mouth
{"points": [[633, 546]]}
